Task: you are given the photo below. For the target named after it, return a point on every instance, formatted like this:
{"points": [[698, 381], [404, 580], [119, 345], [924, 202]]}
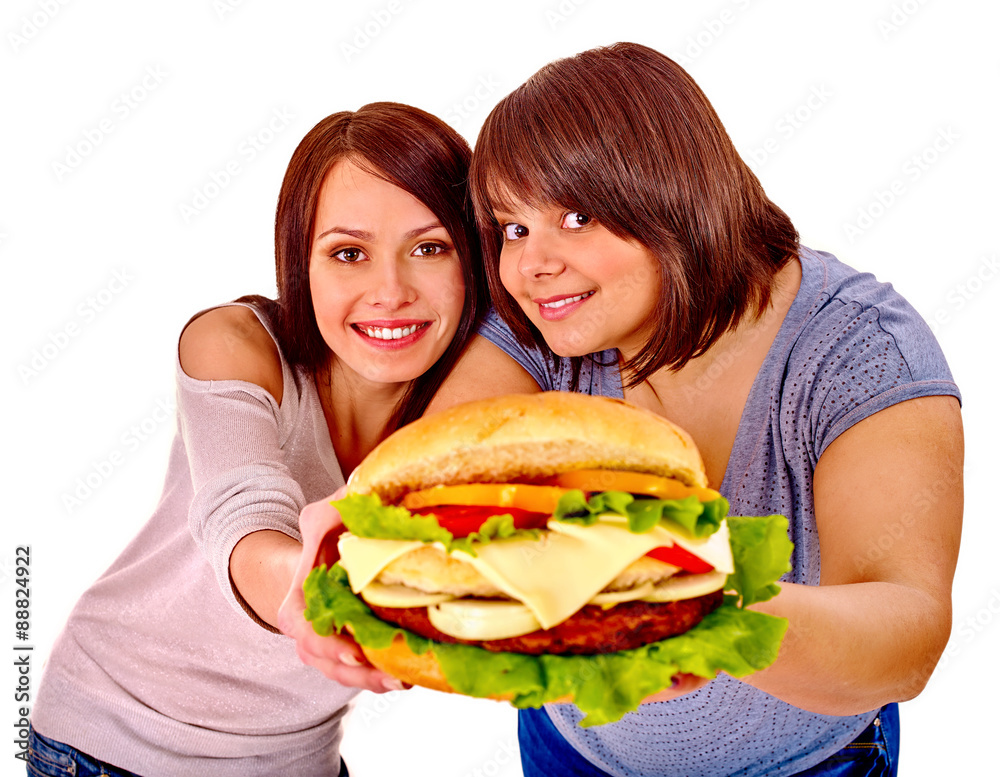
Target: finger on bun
{"points": [[549, 547]]}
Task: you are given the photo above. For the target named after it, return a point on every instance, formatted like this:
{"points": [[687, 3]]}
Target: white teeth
{"points": [[560, 303], [384, 333]]}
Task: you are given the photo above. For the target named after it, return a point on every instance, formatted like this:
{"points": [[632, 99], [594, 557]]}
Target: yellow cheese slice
{"points": [[364, 558], [554, 576], [557, 575]]}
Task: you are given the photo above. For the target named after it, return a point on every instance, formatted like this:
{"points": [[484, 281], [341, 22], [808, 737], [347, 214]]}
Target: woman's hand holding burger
{"points": [[337, 657]]}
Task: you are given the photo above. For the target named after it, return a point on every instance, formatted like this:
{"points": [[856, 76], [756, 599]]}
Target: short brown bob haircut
{"points": [[623, 134], [411, 149]]}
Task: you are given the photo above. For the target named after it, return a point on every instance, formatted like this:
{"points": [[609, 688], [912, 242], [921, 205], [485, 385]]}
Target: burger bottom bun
{"points": [[423, 670]]}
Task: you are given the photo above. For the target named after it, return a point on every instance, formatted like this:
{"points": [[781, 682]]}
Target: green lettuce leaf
{"points": [[366, 516], [699, 519], [761, 554]]}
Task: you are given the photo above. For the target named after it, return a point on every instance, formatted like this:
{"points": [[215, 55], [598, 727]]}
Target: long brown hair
{"points": [[623, 134], [411, 149]]}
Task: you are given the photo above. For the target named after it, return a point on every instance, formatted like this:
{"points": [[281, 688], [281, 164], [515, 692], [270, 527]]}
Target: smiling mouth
{"points": [[565, 301], [390, 333]]}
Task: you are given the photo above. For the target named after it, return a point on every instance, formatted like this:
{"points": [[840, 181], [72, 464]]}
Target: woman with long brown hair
{"points": [[171, 663], [632, 253]]}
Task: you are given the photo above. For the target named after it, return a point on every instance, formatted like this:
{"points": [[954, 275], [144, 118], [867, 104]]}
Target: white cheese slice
{"points": [[685, 587], [482, 619], [396, 596], [714, 549]]}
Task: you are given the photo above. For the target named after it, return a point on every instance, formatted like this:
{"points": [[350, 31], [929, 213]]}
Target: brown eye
{"points": [[514, 231], [575, 220], [349, 255], [430, 249]]}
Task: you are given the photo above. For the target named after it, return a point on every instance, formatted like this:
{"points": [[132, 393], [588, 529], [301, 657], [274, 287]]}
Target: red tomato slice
{"points": [[679, 557], [463, 520]]}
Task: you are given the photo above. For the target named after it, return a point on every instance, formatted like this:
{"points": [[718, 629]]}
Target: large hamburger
{"points": [[548, 547]]}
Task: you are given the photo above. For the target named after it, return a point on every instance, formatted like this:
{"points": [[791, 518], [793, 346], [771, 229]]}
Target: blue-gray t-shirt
{"points": [[849, 347]]}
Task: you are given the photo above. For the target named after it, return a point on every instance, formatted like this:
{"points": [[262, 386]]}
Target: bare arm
{"points": [[888, 496]]}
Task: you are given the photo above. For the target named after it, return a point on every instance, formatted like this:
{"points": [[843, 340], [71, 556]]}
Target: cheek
{"points": [[446, 291], [329, 299], [507, 269]]}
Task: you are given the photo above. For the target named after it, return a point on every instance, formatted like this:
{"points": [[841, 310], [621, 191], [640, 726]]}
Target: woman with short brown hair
{"points": [[632, 253]]}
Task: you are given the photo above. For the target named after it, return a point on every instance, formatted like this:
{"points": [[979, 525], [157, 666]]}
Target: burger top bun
{"points": [[527, 436]]}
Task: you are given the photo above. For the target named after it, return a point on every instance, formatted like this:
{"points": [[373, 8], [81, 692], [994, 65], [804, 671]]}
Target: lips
{"points": [[555, 308]]}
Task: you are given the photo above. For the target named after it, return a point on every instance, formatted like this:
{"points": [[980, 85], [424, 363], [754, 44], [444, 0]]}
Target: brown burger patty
{"points": [[591, 630]]}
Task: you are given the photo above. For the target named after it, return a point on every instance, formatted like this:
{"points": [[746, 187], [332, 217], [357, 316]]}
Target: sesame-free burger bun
{"points": [[423, 670], [526, 436]]}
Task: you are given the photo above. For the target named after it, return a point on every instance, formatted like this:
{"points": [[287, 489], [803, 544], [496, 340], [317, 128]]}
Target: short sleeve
{"points": [[537, 364], [857, 359]]}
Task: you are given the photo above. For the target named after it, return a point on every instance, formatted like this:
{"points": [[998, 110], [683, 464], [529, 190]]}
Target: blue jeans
{"points": [[874, 753], [48, 758]]}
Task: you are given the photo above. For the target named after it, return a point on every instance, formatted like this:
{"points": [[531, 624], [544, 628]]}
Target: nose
{"points": [[392, 287], [540, 255]]}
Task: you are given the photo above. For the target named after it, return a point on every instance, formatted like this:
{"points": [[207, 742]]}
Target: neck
{"points": [[357, 411], [751, 336], [707, 395]]}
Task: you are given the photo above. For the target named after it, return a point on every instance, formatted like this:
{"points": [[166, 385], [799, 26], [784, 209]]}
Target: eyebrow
{"points": [[361, 234]]}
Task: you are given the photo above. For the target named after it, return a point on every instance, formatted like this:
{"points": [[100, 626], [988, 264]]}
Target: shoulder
{"points": [[860, 349], [537, 362], [483, 370], [230, 343]]}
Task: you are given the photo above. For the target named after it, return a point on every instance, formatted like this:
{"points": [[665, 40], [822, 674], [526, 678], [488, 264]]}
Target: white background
{"points": [[873, 123]]}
